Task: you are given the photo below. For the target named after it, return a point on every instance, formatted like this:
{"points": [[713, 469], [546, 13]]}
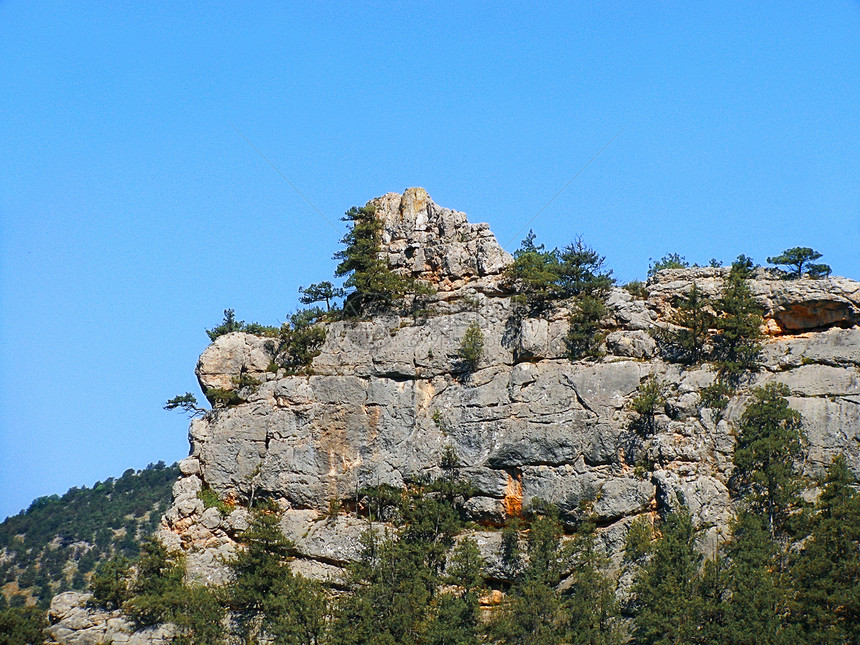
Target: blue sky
{"points": [[132, 212]]}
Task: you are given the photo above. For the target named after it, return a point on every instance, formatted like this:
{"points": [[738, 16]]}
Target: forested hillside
{"points": [[56, 543]]}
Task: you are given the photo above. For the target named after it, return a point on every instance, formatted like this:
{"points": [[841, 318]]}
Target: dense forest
{"points": [[56, 544]]}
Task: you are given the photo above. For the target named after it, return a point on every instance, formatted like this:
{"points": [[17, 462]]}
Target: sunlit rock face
{"points": [[385, 399]]}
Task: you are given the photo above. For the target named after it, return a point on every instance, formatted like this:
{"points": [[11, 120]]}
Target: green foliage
{"points": [[230, 324], [668, 261], [109, 584], [155, 586], [637, 289], [738, 323], [586, 323], [533, 274], [301, 340], [198, 615], [666, 589], [55, 544], [538, 610], [320, 292], [221, 398], [533, 613], [456, 619], [591, 607], [471, 347], [150, 591], [650, 397], [580, 272], [265, 595], [716, 396], [770, 438], [693, 319], [637, 543], [374, 285], [827, 570], [22, 625], [210, 499], [800, 260], [244, 380], [539, 277], [187, 403]]}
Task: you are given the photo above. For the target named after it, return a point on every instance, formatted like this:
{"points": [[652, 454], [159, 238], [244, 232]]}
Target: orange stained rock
{"points": [[494, 597], [513, 502]]}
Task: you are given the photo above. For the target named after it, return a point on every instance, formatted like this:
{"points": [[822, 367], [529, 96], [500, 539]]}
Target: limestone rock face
{"points": [[436, 244], [385, 400], [72, 622]]}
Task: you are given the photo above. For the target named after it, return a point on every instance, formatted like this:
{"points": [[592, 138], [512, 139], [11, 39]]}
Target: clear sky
{"points": [[133, 212]]}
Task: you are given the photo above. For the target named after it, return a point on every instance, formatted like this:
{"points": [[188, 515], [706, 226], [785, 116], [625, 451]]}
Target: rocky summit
{"points": [[386, 398]]}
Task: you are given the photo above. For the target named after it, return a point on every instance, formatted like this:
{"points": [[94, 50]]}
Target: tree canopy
{"points": [[800, 260]]}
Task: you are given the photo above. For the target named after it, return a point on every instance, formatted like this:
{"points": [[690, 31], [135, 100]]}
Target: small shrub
{"points": [[650, 397], [230, 324], [471, 347], [210, 499], [244, 380], [637, 289], [221, 398], [668, 261], [586, 333], [716, 396], [301, 340]]}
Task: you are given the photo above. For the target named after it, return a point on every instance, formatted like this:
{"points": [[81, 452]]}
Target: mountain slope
{"points": [[56, 543]]}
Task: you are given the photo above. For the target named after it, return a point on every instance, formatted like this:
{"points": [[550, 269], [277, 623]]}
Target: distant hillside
{"points": [[57, 542]]}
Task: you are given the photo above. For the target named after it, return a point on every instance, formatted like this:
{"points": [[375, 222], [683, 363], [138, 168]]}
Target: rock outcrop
{"points": [[385, 399], [73, 622]]}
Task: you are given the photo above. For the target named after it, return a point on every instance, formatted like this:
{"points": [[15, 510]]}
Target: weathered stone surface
{"points": [[793, 305], [72, 622], [437, 244], [221, 362], [386, 401]]}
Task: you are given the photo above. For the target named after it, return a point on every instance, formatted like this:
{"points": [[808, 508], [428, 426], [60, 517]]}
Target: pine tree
{"points": [[770, 439], [456, 616], [692, 320], [266, 597], [738, 323], [586, 326], [755, 586], [580, 272], [827, 570], [590, 606], [801, 258], [534, 613], [667, 604], [22, 625], [374, 284], [533, 275]]}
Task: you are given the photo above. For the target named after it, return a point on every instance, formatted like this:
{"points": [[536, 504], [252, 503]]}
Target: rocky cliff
{"points": [[385, 399]]}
